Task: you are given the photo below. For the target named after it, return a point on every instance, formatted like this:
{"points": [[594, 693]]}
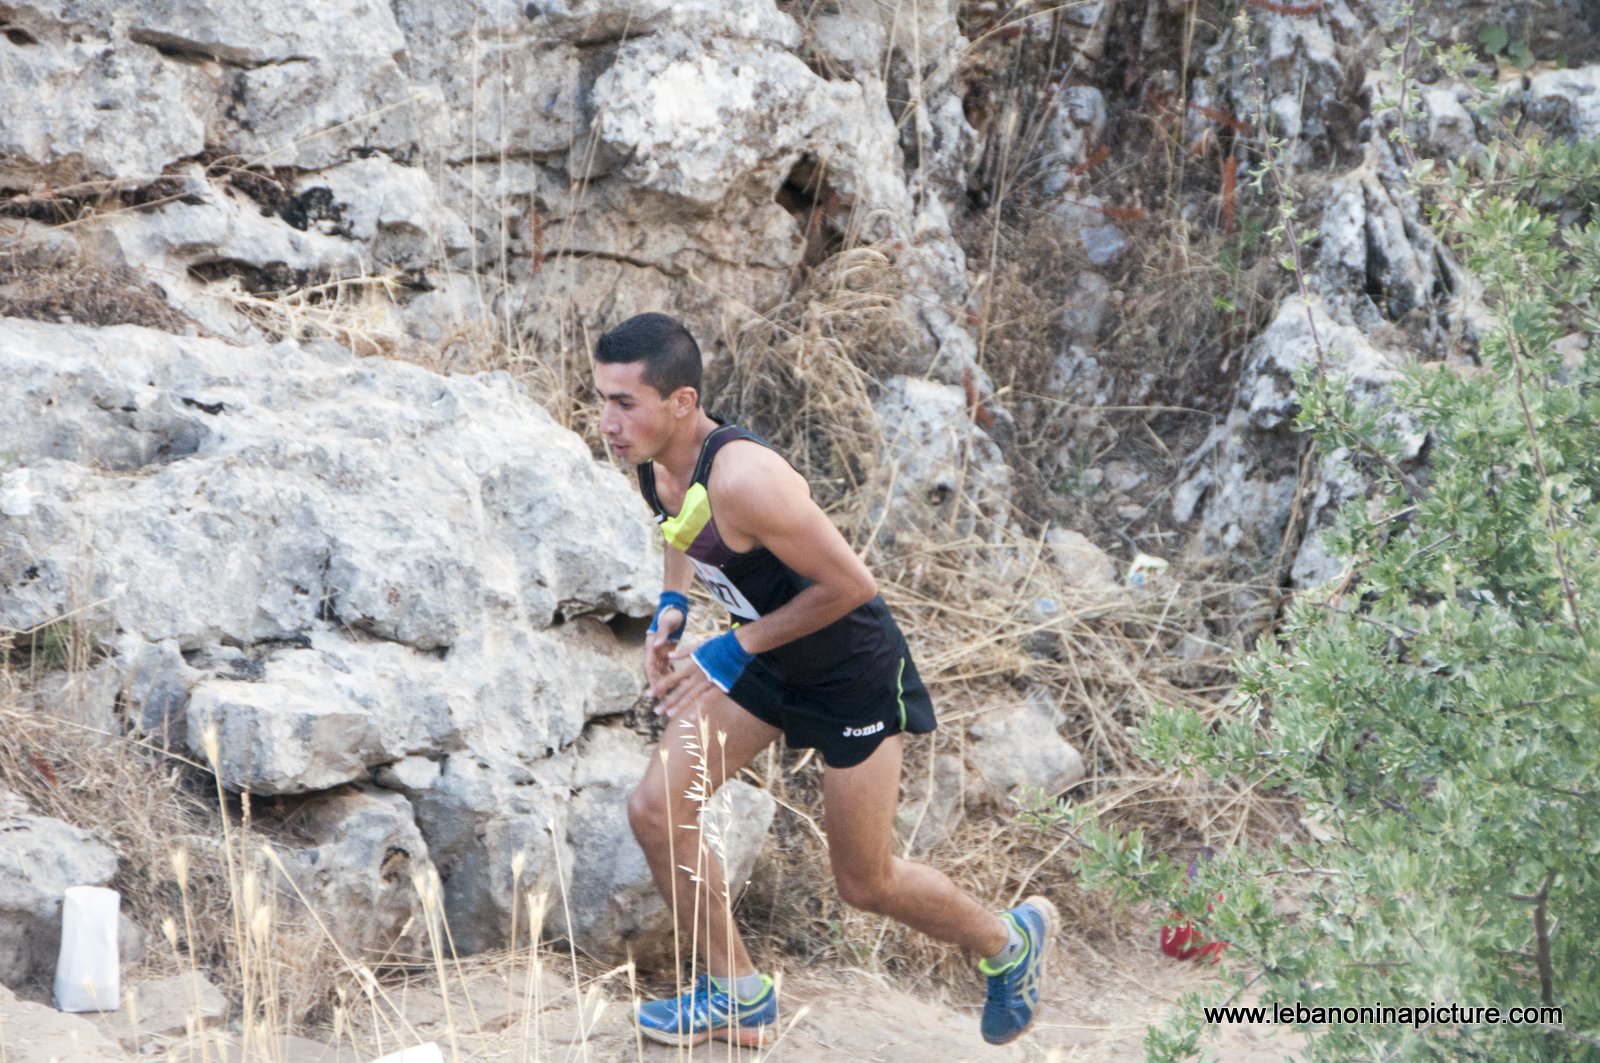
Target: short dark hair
{"points": [[670, 355]]}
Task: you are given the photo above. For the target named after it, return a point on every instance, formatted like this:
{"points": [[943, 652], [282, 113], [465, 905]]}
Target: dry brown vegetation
{"points": [[82, 290], [805, 374]]}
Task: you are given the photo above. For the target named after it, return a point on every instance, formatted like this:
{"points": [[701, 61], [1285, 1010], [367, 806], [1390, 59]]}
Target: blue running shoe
{"points": [[706, 1012], [1013, 1000]]}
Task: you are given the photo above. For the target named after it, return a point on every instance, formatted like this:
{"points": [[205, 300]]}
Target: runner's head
{"points": [[670, 355], [647, 371]]}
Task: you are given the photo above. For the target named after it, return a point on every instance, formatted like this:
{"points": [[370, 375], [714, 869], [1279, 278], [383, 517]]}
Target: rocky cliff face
{"points": [[321, 574], [358, 573]]}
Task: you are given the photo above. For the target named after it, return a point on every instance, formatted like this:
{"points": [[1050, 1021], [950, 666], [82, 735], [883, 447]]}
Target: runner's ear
{"points": [[685, 400]]}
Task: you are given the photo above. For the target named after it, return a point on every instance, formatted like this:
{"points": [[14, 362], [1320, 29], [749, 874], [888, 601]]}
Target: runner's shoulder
{"points": [[744, 465], [751, 487]]}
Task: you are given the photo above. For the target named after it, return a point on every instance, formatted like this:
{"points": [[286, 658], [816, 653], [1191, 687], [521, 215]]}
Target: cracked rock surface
{"points": [[354, 573]]}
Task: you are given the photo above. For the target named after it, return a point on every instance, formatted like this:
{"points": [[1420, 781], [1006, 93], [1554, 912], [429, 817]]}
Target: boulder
{"points": [[36, 1033], [392, 212], [1238, 488], [156, 680], [946, 473], [1567, 101], [336, 567], [1019, 749], [41, 859], [597, 21], [615, 904], [344, 96], [96, 109], [355, 862], [696, 118], [1085, 565], [495, 824], [932, 808], [273, 494], [1373, 264]]}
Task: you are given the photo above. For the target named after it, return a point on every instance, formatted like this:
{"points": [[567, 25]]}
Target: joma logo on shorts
{"points": [[862, 732]]}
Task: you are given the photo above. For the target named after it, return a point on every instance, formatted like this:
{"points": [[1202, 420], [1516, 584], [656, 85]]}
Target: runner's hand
{"points": [[716, 665], [658, 646], [685, 689]]}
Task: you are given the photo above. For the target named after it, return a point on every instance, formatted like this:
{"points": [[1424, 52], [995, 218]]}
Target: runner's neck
{"points": [[675, 464]]}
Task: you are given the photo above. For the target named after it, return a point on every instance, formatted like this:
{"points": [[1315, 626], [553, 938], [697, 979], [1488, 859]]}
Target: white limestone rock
{"points": [[81, 107], [1449, 129], [1019, 749], [343, 565], [599, 21], [1373, 263], [946, 473], [1568, 101], [271, 491], [393, 212], [1085, 565], [357, 867], [1238, 487], [932, 808], [697, 118]]}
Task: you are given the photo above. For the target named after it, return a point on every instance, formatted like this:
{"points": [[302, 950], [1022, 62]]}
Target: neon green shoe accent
{"points": [[724, 986], [983, 964]]}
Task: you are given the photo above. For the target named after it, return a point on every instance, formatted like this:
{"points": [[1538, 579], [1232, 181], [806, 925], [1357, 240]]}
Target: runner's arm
{"points": [[676, 575], [761, 501], [761, 497]]}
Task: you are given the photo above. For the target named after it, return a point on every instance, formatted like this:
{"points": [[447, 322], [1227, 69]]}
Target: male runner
{"points": [[813, 656]]}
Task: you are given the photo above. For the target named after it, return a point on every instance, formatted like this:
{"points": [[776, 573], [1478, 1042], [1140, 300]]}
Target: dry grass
{"points": [[355, 312], [804, 373], [191, 871], [84, 291]]}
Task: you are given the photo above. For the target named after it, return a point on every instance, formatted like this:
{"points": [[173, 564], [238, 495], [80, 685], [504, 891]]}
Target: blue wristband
{"points": [[723, 660], [671, 600]]}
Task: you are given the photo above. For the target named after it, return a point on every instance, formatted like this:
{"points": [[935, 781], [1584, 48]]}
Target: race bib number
{"points": [[723, 590]]}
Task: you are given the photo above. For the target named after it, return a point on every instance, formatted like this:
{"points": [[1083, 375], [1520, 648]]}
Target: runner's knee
{"points": [[869, 890], [647, 815], [651, 815]]}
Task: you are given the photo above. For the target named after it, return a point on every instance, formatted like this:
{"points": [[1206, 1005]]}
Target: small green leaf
{"points": [[1494, 39], [1520, 54]]}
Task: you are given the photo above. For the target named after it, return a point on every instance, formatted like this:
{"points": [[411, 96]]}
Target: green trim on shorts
{"points": [[900, 692]]}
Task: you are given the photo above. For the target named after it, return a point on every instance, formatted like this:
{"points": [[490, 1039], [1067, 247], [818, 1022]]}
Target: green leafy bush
{"points": [[1437, 711]]}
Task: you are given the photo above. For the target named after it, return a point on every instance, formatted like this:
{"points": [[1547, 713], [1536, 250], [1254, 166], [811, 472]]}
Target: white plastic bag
{"points": [[428, 1053], [88, 977]]}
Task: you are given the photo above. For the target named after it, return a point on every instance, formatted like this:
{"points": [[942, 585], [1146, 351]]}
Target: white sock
{"points": [[747, 988], [1016, 945]]}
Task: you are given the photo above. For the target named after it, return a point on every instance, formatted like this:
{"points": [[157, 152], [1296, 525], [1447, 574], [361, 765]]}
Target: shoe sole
{"points": [[1051, 917], [743, 1036]]}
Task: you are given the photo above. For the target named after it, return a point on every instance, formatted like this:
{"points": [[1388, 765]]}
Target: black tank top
{"points": [[846, 658]]}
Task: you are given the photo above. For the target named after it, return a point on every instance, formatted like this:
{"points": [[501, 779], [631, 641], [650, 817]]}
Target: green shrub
{"points": [[1437, 711]]}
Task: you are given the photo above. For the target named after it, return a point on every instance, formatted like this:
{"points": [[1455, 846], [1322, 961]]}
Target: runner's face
{"points": [[635, 419]]}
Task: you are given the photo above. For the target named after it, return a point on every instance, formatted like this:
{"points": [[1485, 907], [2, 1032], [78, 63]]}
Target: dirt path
{"points": [[1099, 1002], [1098, 1007]]}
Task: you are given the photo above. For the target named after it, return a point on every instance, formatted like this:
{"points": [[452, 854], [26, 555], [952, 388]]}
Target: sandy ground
{"points": [[1099, 1003]]}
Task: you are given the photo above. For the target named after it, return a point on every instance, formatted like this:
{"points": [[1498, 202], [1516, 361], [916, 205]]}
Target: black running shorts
{"points": [[844, 730]]}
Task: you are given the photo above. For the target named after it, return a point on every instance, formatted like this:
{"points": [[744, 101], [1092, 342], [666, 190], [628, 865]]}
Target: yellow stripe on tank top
{"points": [[681, 531]]}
